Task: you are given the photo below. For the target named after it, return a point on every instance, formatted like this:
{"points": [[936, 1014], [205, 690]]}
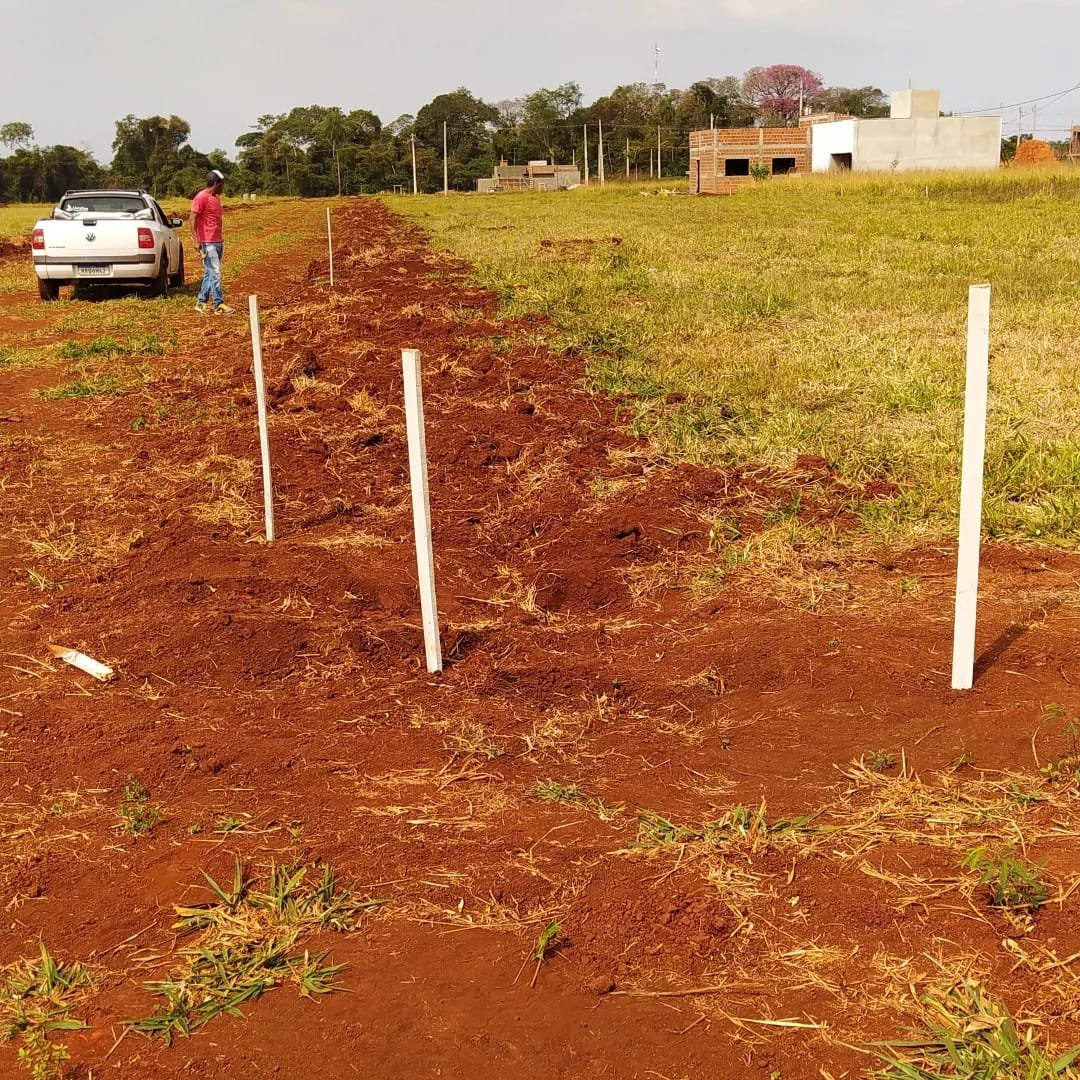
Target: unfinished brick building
{"points": [[722, 158]]}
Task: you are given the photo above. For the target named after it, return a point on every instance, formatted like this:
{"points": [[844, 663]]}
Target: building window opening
{"points": [[841, 162], [737, 166], [781, 166]]}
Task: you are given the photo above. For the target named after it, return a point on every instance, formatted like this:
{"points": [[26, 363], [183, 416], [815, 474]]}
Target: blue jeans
{"points": [[211, 282]]}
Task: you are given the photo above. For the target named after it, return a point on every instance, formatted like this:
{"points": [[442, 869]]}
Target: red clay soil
{"points": [[284, 685]]}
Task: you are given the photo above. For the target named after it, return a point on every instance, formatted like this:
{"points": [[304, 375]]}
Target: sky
{"points": [[71, 69]]}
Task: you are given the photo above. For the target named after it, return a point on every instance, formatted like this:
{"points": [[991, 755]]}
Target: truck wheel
{"points": [[177, 280], [160, 285], [48, 289]]}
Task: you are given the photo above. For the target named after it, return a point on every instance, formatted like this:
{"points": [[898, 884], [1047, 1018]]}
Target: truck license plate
{"points": [[94, 270]]}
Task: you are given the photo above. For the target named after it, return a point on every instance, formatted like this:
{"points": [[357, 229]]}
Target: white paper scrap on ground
{"points": [[83, 662]]}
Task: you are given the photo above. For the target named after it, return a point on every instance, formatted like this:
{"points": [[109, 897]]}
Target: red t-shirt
{"points": [[208, 206]]}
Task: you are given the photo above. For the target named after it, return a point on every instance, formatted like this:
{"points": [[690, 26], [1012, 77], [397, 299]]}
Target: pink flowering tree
{"points": [[774, 92]]}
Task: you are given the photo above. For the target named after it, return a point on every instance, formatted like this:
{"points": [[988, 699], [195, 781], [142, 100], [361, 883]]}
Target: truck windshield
{"points": [[103, 204]]}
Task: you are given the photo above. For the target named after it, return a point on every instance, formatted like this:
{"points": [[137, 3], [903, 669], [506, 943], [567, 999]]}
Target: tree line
{"points": [[318, 150]]}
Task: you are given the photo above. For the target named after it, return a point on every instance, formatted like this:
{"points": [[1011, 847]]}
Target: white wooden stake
{"points": [[445, 163], [421, 505], [330, 245], [971, 486], [260, 401], [600, 152]]}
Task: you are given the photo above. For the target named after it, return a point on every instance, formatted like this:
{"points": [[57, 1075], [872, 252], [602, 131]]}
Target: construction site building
{"points": [[914, 136], [721, 159], [1073, 156], [536, 176]]}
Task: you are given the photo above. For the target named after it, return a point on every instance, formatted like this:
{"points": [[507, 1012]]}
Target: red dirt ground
{"points": [[285, 684]]}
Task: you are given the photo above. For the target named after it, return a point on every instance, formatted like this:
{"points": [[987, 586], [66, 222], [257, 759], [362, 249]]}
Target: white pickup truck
{"points": [[108, 238]]}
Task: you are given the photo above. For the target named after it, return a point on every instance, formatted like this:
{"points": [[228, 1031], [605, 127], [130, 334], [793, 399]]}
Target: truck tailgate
{"points": [[95, 240]]}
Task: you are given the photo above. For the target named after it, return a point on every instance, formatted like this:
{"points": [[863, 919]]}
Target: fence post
{"points": [[330, 245], [971, 486], [421, 505], [260, 402]]}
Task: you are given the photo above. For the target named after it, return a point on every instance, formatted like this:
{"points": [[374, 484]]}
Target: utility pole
{"points": [[585, 158], [415, 188], [712, 121], [650, 163], [627, 157], [659, 170], [1034, 121], [445, 163], [1020, 127], [600, 153]]}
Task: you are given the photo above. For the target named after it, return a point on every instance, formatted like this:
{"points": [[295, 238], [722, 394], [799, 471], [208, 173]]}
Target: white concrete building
{"points": [[914, 136]]}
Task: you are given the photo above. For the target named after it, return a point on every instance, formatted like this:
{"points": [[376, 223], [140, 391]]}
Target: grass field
{"points": [[18, 219], [820, 316]]}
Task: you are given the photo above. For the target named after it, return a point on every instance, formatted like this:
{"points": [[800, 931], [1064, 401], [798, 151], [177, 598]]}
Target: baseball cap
{"points": [[215, 176]]}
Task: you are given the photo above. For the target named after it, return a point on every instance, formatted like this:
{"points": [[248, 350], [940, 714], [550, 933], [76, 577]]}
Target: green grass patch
{"points": [[14, 358], [1010, 882], [36, 1001], [106, 346], [91, 386], [969, 1036], [248, 940], [740, 827], [138, 815], [816, 315]]}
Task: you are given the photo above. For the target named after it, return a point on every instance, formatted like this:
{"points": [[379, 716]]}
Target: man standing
{"points": [[206, 229]]}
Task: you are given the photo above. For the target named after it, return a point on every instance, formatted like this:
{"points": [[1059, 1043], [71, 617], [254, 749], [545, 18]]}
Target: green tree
{"points": [[334, 129], [43, 174], [146, 152], [713, 101], [16, 135], [471, 126], [546, 125], [260, 152], [853, 101], [634, 112]]}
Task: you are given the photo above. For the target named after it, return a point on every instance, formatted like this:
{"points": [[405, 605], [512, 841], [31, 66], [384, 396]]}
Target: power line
{"points": [[1057, 95]]}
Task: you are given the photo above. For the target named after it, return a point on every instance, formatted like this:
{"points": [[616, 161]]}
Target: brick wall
{"points": [[710, 151]]}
